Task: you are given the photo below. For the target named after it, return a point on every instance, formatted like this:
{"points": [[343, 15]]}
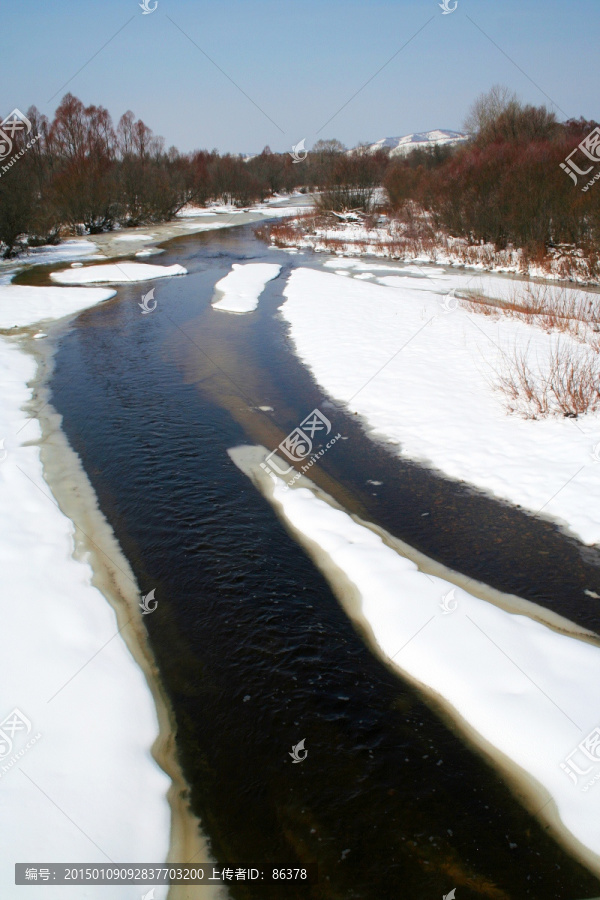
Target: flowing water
{"points": [[254, 649]]}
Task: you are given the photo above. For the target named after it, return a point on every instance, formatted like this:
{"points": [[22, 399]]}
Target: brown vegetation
{"points": [[566, 384], [550, 307], [567, 381], [506, 186], [501, 198], [82, 175]]}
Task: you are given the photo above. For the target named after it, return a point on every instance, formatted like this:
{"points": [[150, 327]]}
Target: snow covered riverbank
{"points": [[143, 240], [78, 780], [420, 369], [419, 241]]}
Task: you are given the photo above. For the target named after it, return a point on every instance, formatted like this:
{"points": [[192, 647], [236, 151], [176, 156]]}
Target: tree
{"points": [[520, 123], [328, 146], [487, 107], [83, 144]]}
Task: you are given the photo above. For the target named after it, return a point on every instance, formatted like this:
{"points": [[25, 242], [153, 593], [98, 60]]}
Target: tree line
{"points": [[505, 185], [509, 184], [81, 174], [84, 175]]}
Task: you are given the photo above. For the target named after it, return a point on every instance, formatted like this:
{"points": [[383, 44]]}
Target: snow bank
{"points": [[531, 693], [341, 263], [216, 209], [388, 240], [268, 207], [421, 376], [48, 254], [135, 236], [21, 306], [116, 273], [280, 212], [53, 253], [77, 779], [243, 286]]}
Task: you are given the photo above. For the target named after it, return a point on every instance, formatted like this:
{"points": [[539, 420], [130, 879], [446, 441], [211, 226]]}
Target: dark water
{"points": [[254, 650]]}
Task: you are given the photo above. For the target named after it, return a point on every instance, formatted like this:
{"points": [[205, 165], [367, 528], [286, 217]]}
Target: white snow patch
{"points": [[359, 265], [422, 379], [243, 286], [134, 237], [210, 226], [198, 211], [530, 692], [149, 251], [21, 306], [51, 253], [116, 273], [89, 775], [281, 211]]}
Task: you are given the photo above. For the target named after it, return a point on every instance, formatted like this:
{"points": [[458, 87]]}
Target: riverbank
{"points": [[416, 240], [79, 671], [397, 346], [144, 241]]}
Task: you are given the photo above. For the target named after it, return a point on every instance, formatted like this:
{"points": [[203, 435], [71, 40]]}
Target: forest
{"points": [[507, 185]]}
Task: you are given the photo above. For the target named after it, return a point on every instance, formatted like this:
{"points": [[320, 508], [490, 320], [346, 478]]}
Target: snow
{"points": [[149, 251], [267, 207], [422, 376], [400, 146], [68, 249], [401, 269], [48, 254], [134, 237], [21, 306], [360, 266], [116, 273], [242, 287], [51, 253], [215, 209], [281, 211], [88, 789], [390, 239], [532, 693], [264, 210]]}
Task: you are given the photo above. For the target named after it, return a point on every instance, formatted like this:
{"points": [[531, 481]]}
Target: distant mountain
{"points": [[400, 146]]}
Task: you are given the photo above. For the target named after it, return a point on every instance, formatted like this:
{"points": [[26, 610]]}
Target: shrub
{"points": [[566, 384]]}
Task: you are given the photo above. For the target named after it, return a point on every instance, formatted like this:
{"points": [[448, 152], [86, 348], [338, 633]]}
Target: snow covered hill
{"points": [[400, 146]]}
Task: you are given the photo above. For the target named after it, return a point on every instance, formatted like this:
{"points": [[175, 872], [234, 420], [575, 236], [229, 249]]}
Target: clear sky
{"points": [[185, 69]]}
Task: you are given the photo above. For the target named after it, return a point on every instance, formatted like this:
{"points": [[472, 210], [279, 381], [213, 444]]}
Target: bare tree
{"points": [[488, 106], [328, 146]]}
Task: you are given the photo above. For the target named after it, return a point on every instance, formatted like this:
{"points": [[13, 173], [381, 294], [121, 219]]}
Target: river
{"points": [[254, 650]]}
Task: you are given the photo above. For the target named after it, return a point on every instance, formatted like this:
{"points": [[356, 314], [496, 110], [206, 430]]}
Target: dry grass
{"points": [[412, 233], [550, 307], [288, 231], [396, 239], [566, 384]]}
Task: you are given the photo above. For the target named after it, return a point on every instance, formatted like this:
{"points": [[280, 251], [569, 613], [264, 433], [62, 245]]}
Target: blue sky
{"points": [[299, 61]]}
